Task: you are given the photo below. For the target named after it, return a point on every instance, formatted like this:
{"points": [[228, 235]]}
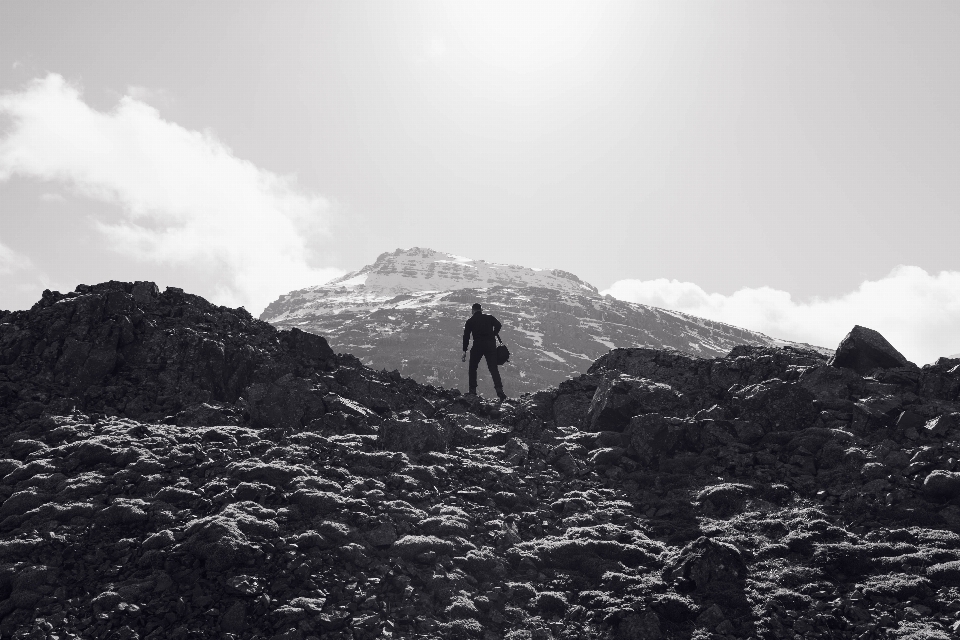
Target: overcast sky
{"points": [[793, 168]]}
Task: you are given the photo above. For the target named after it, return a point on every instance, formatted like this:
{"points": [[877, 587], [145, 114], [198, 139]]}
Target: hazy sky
{"points": [[790, 167]]}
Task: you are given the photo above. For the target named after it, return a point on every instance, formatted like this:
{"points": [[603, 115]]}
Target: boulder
{"points": [[645, 626], [707, 565], [219, 543], [208, 414], [619, 398], [831, 384], [653, 435], [307, 345], [607, 456], [288, 403], [234, 620], [778, 405], [942, 485], [412, 547], [909, 420], [864, 350], [515, 451], [941, 425], [945, 573], [382, 536], [724, 499], [414, 435], [144, 292]]}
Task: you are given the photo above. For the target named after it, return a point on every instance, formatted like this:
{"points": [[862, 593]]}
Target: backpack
{"points": [[503, 354]]}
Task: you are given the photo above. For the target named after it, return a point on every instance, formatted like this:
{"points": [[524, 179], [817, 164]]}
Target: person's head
{"points": [[477, 308]]}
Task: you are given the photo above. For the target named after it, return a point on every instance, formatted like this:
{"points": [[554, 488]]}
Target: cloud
{"points": [[185, 198], [144, 93], [918, 312], [52, 197], [154, 96], [12, 261]]}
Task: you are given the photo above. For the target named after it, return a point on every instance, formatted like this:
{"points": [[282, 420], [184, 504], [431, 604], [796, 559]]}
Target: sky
{"points": [[788, 167]]}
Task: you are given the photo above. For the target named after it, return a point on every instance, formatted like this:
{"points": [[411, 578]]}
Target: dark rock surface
{"points": [[864, 350], [173, 469]]}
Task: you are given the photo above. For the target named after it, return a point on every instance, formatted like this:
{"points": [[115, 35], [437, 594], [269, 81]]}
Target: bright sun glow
{"points": [[525, 37]]}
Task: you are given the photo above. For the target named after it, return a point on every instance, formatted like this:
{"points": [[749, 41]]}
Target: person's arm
{"points": [[496, 327], [466, 335]]}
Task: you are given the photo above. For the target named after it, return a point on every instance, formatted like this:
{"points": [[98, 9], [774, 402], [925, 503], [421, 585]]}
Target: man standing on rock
{"points": [[485, 329]]}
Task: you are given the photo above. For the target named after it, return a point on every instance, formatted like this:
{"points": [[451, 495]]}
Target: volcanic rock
{"points": [[173, 469], [707, 565], [864, 350], [942, 485], [620, 397]]}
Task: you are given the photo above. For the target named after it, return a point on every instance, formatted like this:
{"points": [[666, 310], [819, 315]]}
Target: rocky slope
{"points": [[406, 312], [173, 469]]}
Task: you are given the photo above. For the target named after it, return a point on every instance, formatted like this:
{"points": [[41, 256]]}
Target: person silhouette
{"points": [[486, 331]]}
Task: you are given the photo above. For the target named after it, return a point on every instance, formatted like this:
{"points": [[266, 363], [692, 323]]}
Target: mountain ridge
{"points": [[393, 312]]}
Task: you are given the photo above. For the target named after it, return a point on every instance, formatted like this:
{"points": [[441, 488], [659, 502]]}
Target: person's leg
{"points": [[490, 354], [475, 355]]}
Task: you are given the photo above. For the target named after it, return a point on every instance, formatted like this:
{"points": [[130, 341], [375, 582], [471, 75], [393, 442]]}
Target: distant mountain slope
{"points": [[406, 312]]}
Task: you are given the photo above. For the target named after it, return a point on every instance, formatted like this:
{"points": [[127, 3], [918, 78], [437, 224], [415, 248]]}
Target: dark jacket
{"points": [[481, 326]]}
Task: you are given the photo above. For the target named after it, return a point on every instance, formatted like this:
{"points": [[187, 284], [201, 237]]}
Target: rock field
{"points": [[174, 469]]}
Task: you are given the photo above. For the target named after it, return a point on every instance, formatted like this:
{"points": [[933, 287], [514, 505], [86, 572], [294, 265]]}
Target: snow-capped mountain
{"points": [[406, 311]]}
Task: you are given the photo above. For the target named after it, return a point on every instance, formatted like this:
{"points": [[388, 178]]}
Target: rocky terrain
{"points": [[406, 312], [174, 469]]}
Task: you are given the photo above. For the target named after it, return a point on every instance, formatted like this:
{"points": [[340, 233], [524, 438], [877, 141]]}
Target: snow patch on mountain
{"points": [[418, 275], [406, 311]]}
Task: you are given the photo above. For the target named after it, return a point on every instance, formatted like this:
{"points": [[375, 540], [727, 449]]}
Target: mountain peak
{"points": [[406, 311], [419, 269]]}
